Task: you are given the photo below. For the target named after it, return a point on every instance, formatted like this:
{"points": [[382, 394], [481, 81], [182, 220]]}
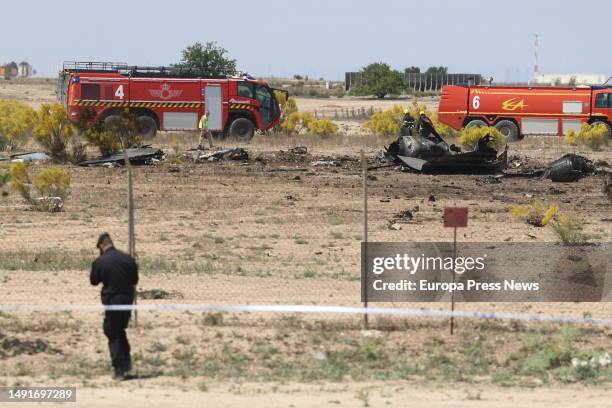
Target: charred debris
{"points": [[419, 148]]}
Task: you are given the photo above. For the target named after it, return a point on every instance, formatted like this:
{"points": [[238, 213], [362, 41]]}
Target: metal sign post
{"points": [[454, 217]]}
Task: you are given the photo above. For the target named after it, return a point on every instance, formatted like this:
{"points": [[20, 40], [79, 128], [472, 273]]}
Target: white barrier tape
{"points": [[203, 307]]}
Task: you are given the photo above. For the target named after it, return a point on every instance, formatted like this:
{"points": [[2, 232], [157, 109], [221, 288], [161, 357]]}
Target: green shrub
{"points": [[90, 127], [49, 182], [52, 182], [388, 122], [322, 127], [105, 142], [571, 137], [306, 122], [287, 106], [593, 137], [121, 130], [293, 123], [569, 229], [469, 137], [53, 130], [15, 123], [4, 179], [537, 213], [338, 93], [20, 180]]}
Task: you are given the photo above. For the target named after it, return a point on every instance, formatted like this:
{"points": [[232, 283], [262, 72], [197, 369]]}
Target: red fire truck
{"points": [[168, 98], [519, 111]]}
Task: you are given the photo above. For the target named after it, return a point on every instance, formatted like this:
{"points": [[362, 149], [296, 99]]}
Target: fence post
{"points": [[364, 166], [130, 206], [131, 234]]}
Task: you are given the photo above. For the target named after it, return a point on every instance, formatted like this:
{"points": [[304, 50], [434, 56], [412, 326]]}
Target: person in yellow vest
{"points": [[204, 131]]}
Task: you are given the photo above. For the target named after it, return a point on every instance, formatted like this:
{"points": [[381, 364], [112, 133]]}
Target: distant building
{"points": [[11, 70], [14, 70], [24, 69], [422, 82], [574, 79]]}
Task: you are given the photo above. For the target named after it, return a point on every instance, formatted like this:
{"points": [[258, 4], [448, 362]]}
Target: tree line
{"points": [[379, 79]]}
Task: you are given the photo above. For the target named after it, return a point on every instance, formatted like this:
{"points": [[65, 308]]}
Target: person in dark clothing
{"points": [[425, 128], [407, 124], [118, 273]]}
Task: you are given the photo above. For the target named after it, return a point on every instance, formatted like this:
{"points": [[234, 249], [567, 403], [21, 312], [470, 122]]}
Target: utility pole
{"points": [[536, 63]]}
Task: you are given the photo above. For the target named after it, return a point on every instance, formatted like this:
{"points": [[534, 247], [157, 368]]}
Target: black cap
{"points": [[103, 238]]}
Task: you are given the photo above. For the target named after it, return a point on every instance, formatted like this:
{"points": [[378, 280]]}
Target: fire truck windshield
{"points": [[268, 108]]}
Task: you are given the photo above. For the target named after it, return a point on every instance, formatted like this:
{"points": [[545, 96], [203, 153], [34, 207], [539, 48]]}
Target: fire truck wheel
{"points": [[606, 124], [147, 127], [242, 129], [111, 121], [509, 129], [476, 123]]}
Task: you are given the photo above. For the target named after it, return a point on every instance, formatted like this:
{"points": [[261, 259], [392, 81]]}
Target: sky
{"points": [[317, 38]]}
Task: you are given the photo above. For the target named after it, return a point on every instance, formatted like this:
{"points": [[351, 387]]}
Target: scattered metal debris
{"points": [[29, 157], [317, 163], [299, 150], [48, 204], [12, 347], [235, 153], [523, 173], [405, 216], [491, 180], [402, 217], [159, 294], [394, 226], [136, 155], [298, 154], [434, 156], [284, 169], [570, 167]]}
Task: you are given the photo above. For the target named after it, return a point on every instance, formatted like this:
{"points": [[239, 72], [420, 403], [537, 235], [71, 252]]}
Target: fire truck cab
{"points": [[521, 110], [168, 98]]}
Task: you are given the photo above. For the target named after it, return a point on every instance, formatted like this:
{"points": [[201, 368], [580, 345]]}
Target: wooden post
{"points": [[364, 166]]}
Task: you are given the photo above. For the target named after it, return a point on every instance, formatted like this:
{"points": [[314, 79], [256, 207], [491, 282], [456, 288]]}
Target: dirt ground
{"points": [[279, 229], [328, 107], [158, 394], [32, 91]]}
